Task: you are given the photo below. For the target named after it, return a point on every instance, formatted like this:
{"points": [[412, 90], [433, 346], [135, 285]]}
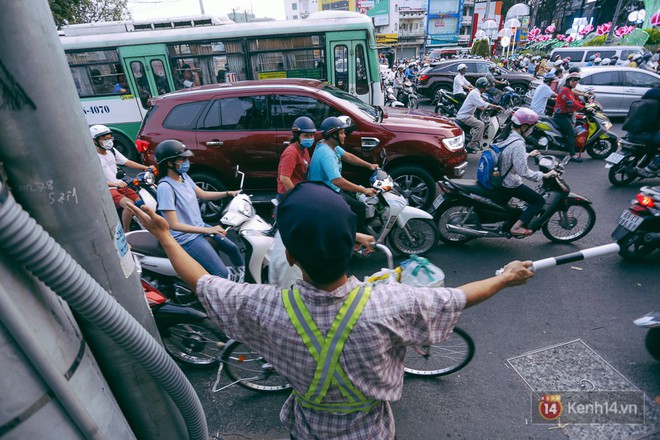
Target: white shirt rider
{"points": [[460, 82], [471, 104]]}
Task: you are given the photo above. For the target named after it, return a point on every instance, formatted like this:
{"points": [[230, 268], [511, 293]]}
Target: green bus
{"points": [[118, 66]]}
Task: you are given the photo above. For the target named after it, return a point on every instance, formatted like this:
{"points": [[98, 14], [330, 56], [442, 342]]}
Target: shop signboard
{"points": [[380, 12], [444, 21]]}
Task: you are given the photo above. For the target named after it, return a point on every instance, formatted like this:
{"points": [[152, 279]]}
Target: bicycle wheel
{"points": [[440, 359], [250, 370]]}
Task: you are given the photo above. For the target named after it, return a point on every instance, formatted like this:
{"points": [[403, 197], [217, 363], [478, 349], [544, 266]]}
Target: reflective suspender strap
{"points": [[326, 351]]}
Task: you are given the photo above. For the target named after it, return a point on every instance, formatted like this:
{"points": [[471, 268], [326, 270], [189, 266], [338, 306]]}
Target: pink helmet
{"points": [[524, 116]]}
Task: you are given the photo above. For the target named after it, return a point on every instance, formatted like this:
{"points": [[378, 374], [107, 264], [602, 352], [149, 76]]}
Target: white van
{"points": [[580, 55]]}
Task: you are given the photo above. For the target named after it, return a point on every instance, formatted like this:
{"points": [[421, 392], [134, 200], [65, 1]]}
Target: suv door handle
{"points": [[214, 143], [286, 143]]}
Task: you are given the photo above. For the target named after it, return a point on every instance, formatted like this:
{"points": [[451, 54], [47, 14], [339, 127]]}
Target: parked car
{"points": [[441, 76], [580, 55], [248, 123]]}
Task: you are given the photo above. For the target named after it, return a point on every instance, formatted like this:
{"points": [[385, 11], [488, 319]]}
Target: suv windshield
{"points": [[363, 107]]}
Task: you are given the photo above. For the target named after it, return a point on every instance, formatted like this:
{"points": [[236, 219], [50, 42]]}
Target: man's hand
{"points": [[373, 166], [154, 223], [216, 230], [534, 153], [517, 273], [151, 168], [233, 193], [549, 174], [369, 192], [364, 241], [122, 184]]}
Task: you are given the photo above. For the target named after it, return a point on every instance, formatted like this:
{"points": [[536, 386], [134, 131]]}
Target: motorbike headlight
{"points": [[246, 209], [149, 178], [454, 143]]}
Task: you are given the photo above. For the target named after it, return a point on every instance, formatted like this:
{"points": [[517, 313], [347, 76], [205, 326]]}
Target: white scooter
{"points": [[410, 231], [144, 184]]}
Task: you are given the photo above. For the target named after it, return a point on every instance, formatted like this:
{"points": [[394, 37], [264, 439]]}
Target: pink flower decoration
{"points": [[569, 39], [603, 29], [585, 30], [550, 29], [534, 32], [561, 37], [655, 19], [619, 32]]}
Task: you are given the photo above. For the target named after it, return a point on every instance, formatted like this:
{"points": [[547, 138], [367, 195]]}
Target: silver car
{"points": [[616, 87]]}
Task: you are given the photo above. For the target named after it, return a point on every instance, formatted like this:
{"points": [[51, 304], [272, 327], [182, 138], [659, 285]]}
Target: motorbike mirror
{"points": [[543, 142], [545, 162], [120, 174]]}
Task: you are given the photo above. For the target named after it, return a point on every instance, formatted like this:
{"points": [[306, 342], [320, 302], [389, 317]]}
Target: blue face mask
{"points": [[183, 167], [306, 143]]}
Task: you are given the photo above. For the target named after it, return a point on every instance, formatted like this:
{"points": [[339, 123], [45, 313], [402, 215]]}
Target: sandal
{"points": [[521, 232]]}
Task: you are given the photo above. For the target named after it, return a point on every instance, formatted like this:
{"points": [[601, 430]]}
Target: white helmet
{"points": [[606, 62], [461, 67], [99, 130], [637, 57], [598, 60], [558, 63]]}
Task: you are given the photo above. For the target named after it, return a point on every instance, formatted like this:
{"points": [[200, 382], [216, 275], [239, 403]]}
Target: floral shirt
{"points": [[566, 102]]}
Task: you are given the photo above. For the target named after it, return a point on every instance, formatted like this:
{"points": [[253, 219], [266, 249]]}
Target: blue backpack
{"points": [[489, 168]]}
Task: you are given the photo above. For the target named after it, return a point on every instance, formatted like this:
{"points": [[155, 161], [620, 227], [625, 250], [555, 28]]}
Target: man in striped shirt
{"points": [[340, 344]]}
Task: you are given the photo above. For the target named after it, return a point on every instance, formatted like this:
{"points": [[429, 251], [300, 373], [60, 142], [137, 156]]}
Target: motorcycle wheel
{"points": [[250, 370], [194, 342], [653, 342], [602, 148], [211, 210], [570, 225], [423, 237], [632, 247], [454, 215], [623, 172], [413, 102]]}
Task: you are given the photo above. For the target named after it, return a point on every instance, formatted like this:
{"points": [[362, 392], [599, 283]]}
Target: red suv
{"points": [[248, 123]]}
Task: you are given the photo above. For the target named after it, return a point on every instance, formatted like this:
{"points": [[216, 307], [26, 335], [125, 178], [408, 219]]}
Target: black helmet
{"points": [[574, 70], [171, 149], [332, 125], [303, 124]]}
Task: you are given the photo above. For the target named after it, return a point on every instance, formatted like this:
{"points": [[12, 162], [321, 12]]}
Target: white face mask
{"points": [[107, 144]]}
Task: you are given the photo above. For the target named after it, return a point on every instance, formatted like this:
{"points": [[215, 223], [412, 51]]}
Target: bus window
{"points": [[206, 63], [341, 67], [137, 68], [361, 79], [95, 72], [287, 57], [160, 76]]}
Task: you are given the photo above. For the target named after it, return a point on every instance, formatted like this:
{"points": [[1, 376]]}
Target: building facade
{"points": [[299, 9]]}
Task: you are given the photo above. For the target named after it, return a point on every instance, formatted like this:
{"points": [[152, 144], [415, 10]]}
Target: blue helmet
{"points": [[303, 124], [592, 57], [549, 77]]}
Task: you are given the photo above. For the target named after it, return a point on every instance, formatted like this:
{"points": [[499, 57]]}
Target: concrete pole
{"points": [[54, 173], [610, 34]]}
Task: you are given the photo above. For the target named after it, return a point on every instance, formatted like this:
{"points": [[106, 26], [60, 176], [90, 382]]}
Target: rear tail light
{"points": [[645, 201], [154, 297], [424, 78], [141, 146]]}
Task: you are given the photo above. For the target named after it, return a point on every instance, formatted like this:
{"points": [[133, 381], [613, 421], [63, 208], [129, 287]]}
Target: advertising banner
{"points": [[337, 5], [444, 21], [380, 12]]}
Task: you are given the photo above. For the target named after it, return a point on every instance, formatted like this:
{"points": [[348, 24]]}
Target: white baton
{"points": [[572, 257]]}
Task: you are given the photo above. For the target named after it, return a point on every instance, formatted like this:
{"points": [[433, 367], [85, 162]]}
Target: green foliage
{"points": [[481, 48], [87, 11], [654, 36], [596, 41], [637, 37]]}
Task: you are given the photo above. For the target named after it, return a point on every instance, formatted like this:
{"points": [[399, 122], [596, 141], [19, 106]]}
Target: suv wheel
{"points": [[126, 147], [211, 209], [520, 89], [415, 184]]}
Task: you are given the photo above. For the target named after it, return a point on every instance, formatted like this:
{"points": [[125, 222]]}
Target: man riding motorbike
{"points": [[492, 89], [461, 85], [465, 115], [643, 126], [565, 107]]}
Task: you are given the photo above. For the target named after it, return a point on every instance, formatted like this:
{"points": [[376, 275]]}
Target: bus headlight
{"points": [[454, 143]]}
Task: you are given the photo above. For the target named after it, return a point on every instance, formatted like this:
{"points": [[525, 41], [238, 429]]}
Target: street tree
{"points": [[88, 11]]}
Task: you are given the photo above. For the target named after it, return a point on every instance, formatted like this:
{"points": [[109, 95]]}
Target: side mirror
{"points": [[120, 174], [236, 171]]}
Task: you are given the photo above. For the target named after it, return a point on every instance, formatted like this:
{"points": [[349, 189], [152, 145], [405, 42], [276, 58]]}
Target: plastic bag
{"points": [[420, 272]]}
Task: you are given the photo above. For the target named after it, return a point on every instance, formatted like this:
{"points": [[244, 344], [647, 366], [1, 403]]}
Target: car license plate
{"points": [[438, 201], [629, 221]]}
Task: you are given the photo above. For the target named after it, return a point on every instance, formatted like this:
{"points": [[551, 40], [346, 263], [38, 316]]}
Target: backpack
{"points": [[642, 117], [489, 172]]}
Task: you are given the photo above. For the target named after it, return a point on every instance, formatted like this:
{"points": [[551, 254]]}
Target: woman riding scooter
{"points": [[514, 161], [178, 201]]}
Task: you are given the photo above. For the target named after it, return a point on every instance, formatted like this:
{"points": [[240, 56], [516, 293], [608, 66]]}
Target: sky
{"points": [[144, 9]]}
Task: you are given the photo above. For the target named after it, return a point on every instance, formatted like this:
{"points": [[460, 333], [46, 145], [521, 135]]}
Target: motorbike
{"points": [[446, 103], [410, 231], [624, 166], [651, 321], [390, 98], [188, 335], [492, 126], [592, 134], [465, 210], [144, 184], [255, 234], [408, 94], [508, 99], [638, 227]]}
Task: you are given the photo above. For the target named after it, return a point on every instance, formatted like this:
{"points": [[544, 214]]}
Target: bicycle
{"points": [[248, 369]]}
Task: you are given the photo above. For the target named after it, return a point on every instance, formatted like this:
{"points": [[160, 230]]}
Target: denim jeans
{"points": [[535, 201], [565, 125], [205, 254]]}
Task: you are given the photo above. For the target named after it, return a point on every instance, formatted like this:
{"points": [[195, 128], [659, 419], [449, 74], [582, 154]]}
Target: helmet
{"points": [[461, 67], [615, 57], [636, 57], [573, 75], [171, 149], [558, 57], [332, 125], [647, 56], [558, 63], [597, 60], [481, 83], [492, 66], [592, 57], [606, 62], [303, 124], [567, 59], [99, 130], [549, 77], [524, 116], [505, 62], [574, 70], [630, 57]]}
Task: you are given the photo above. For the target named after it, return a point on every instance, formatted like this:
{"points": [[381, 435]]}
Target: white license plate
{"points": [[629, 221], [614, 158], [438, 201]]}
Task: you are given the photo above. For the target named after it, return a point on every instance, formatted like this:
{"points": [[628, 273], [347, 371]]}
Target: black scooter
{"points": [[465, 210], [638, 228], [625, 166]]}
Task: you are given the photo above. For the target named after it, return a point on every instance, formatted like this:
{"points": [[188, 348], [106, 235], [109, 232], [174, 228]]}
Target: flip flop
{"points": [[522, 233]]}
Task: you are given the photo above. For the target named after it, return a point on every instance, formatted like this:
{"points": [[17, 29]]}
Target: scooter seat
{"points": [[463, 125], [548, 120], [474, 187], [143, 242]]}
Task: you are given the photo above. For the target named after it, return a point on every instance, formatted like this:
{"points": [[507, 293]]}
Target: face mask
{"points": [[183, 167], [306, 143], [107, 144], [528, 132]]}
